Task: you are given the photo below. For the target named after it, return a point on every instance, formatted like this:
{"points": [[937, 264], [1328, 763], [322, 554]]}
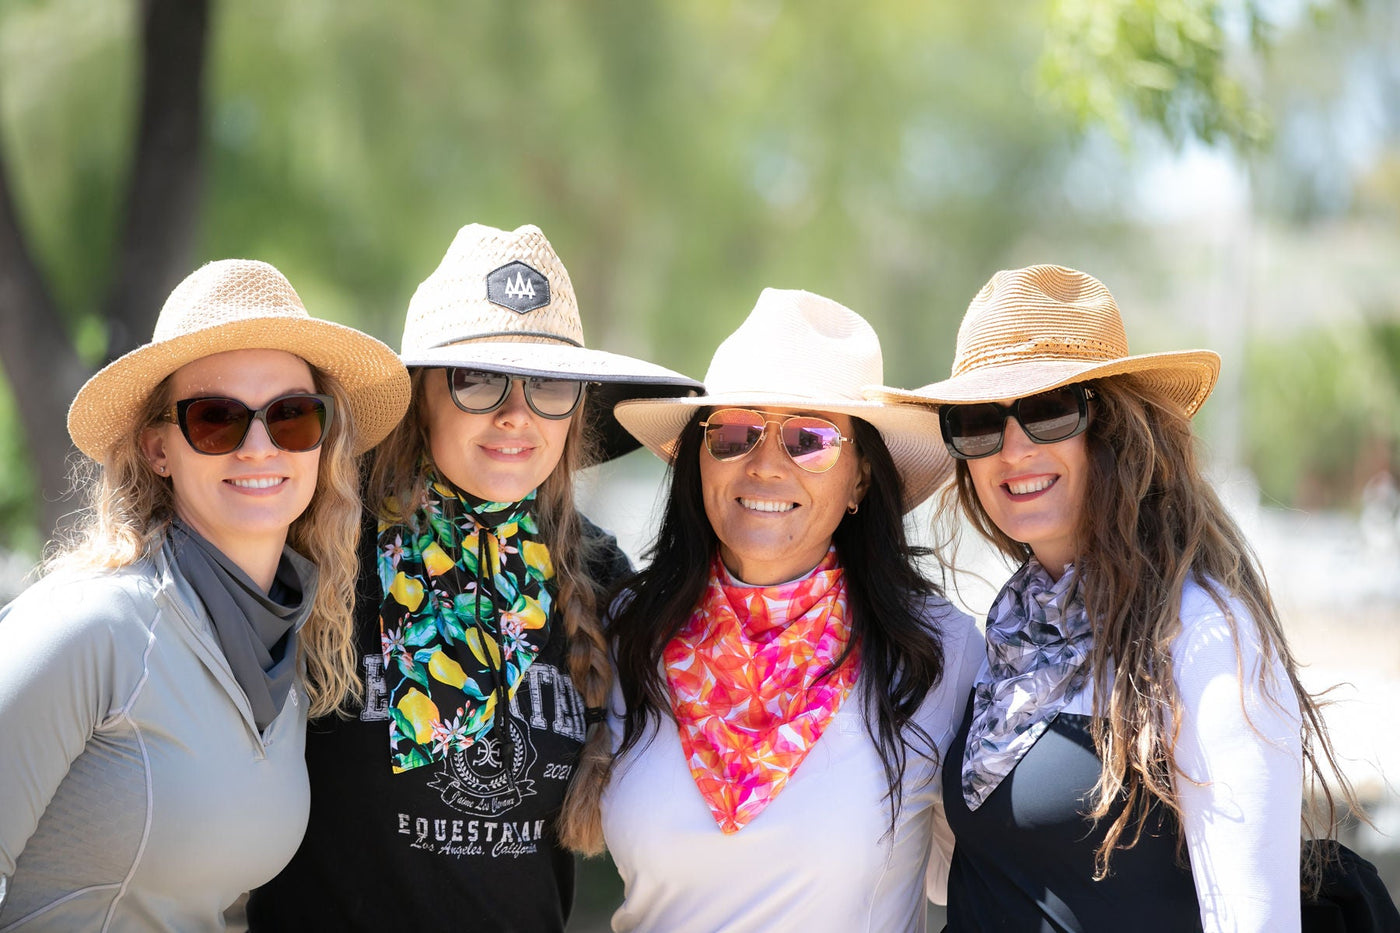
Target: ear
{"points": [[862, 483], [152, 446]]}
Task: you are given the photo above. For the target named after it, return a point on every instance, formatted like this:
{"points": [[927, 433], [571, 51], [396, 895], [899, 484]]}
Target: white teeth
{"points": [[1032, 485], [267, 483], [767, 505], [510, 450]]}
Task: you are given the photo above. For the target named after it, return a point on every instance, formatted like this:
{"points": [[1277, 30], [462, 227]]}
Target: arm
{"points": [[57, 676], [1240, 750], [965, 651]]}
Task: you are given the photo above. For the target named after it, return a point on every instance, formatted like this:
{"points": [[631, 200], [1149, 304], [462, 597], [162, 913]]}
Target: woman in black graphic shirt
{"points": [[444, 797]]}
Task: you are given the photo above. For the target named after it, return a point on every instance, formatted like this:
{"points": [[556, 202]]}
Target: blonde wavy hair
{"points": [[398, 488], [1150, 524], [129, 508]]}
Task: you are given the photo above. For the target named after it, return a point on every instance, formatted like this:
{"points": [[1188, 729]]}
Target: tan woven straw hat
{"points": [[239, 304], [800, 350], [501, 301], [1038, 328]]}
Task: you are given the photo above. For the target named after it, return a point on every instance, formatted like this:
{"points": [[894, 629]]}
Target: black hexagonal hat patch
{"points": [[517, 286]]}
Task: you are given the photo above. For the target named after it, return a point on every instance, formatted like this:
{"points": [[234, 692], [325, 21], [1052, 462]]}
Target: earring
{"points": [[853, 509], [161, 469]]}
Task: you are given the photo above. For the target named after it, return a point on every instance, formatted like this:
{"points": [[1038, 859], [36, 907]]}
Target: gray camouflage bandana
{"points": [[1038, 640]]}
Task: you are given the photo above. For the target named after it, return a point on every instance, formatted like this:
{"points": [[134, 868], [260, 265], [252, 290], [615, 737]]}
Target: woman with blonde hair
{"points": [[155, 684], [1137, 745], [452, 795]]}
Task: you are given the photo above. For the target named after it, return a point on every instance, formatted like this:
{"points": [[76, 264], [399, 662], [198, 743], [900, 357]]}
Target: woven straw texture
{"points": [[451, 305], [1034, 329], [802, 351], [240, 304]]}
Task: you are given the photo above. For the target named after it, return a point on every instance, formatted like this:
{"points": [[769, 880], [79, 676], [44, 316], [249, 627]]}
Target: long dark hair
{"points": [[901, 654]]}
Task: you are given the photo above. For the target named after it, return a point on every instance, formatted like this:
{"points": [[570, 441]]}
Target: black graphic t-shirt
{"points": [[463, 843]]}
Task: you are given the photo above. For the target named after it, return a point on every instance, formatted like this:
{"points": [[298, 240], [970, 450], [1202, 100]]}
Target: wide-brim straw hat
{"points": [[501, 301], [239, 304], [1035, 329], [802, 351]]}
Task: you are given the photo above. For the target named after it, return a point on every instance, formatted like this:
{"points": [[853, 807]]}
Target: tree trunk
{"points": [[161, 214]]}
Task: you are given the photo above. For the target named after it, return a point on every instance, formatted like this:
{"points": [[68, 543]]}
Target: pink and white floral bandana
{"points": [[747, 688]]}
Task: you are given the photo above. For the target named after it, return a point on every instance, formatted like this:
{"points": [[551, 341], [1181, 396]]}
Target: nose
{"points": [[257, 443], [514, 411], [1014, 442], [768, 458]]}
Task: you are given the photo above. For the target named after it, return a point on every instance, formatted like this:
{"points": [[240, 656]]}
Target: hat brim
{"points": [[105, 408], [1185, 377], [910, 433], [615, 378]]}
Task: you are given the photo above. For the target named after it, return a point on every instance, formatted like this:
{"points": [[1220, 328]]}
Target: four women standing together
{"points": [[772, 726]]}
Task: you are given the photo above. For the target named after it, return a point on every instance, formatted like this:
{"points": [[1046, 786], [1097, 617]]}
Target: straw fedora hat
{"points": [[1038, 328], [501, 301], [239, 304], [800, 350]]}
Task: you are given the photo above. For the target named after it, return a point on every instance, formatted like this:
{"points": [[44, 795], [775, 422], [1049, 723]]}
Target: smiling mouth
{"points": [[511, 451], [767, 505], [262, 483], [1025, 487]]}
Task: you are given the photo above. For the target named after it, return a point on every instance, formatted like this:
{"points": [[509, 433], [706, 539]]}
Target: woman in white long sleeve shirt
{"points": [[1134, 754], [788, 682]]}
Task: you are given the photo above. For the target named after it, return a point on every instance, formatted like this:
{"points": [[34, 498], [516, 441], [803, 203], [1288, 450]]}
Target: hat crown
{"points": [[494, 285], [796, 343], [1040, 313], [225, 291]]}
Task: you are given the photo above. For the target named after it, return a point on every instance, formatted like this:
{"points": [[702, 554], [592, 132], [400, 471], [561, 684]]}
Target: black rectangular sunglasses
{"points": [[977, 430]]}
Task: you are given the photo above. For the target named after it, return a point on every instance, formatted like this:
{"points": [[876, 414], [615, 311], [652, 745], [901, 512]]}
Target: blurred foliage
{"points": [[680, 156], [1322, 412], [1117, 62]]}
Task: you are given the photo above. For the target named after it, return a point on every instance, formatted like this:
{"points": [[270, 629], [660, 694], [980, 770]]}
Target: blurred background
{"points": [[1229, 168]]}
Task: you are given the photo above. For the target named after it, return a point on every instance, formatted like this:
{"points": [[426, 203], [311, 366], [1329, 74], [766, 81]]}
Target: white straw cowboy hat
{"points": [[802, 351], [1038, 328], [239, 304], [502, 302]]}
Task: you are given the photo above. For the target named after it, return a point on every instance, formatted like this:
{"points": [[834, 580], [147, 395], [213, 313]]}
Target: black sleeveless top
{"points": [[1024, 860]]}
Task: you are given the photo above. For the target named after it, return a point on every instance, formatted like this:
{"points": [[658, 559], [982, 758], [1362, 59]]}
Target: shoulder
{"points": [[607, 563], [80, 617], [1212, 618], [954, 629]]}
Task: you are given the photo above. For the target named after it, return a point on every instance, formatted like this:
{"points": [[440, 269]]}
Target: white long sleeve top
{"points": [[820, 856]]}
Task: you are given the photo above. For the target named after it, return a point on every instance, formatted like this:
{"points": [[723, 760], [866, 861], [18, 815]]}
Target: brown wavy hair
{"points": [[1150, 524], [129, 508], [397, 489]]}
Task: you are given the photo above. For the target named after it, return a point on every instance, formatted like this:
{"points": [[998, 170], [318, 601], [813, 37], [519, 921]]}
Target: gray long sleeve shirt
{"points": [[136, 793]]}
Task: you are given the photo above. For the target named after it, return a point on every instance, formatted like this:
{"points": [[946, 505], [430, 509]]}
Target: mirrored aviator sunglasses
{"points": [[215, 425], [480, 393], [814, 444], [973, 431]]}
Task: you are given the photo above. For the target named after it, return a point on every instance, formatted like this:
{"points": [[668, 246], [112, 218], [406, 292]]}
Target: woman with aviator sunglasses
{"points": [[788, 681], [1138, 740], [450, 797], [154, 686]]}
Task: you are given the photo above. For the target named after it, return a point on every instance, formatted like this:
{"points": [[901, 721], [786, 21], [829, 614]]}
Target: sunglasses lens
{"points": [[973, 430], [731, 433], [478, 392], [297, 423], [1050, 416], [553, 398], [215, 425], [813, 443]]}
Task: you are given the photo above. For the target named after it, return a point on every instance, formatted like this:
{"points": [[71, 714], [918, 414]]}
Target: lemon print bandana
{"points": [[467, 594]]}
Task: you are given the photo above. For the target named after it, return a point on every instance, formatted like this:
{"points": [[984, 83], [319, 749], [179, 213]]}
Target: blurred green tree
{"points": [[679, 155]]}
